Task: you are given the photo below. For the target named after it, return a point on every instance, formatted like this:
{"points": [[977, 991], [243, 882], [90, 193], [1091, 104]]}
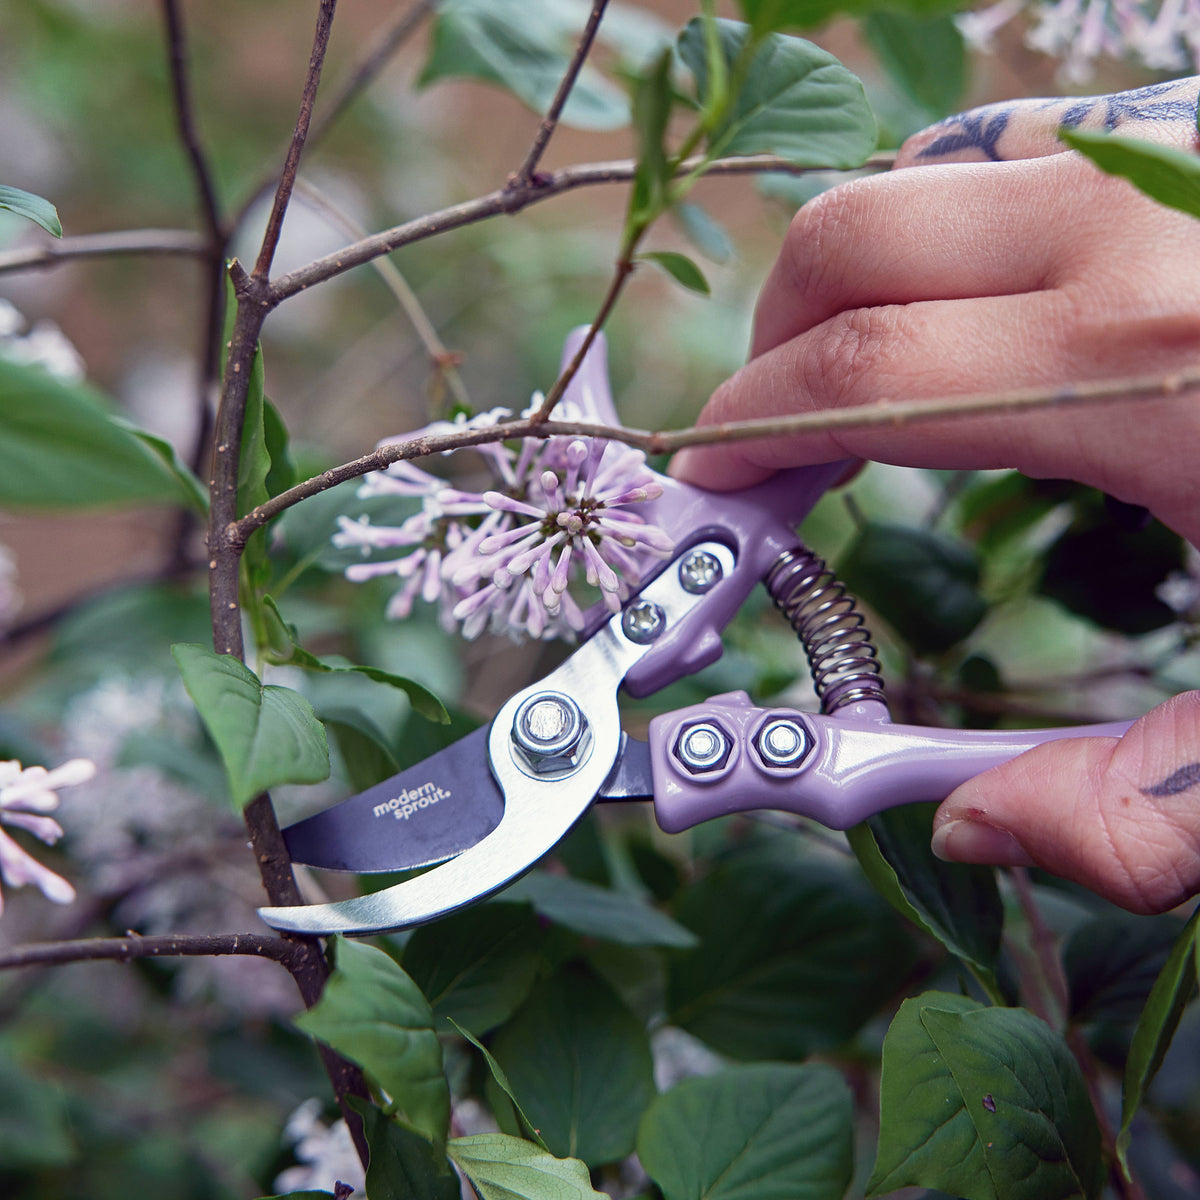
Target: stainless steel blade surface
{"points": [[424, 815], [631, 778]]}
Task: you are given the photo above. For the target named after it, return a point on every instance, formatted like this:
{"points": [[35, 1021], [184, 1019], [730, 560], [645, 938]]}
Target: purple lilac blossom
{"points": [[503, 559], [1163, 35], [27, 795]]}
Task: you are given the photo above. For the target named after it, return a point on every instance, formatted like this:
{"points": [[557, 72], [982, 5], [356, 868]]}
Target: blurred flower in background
{"points": [[27, 795], [1162, 36], [42, 344], [503, 560], [325, 1154]]}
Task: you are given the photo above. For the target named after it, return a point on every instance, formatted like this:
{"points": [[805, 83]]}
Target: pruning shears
{"points": [[483, 811]]}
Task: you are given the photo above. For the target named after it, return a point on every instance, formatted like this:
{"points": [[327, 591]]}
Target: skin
{"points": [[993, 258]]}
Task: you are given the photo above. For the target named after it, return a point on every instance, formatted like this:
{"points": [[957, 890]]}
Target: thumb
{"points": [[1119, 815]]}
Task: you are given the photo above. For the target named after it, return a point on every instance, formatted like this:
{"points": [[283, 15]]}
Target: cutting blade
{"points": [[424, 815], [433, 811]]}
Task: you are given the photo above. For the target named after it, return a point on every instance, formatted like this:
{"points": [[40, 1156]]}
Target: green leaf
{"points": [[957, 904], [983, 1103], [1170, 176], [289, 652], [795, 955], [60, 447], [372, 1013], [1172, 991], [1112, 961], [766, 15], [265, 735], [702, 231], [924, 56], [598, 912], [579, 1063], [523, 46], [500, 1078], [681, 268], [403, 1166], [795, 100], [508, 1168], [925, 585], [366, 757], [765, 1131], [476, 968], [35, 1128], [190, 486], [26, 204], [254, 464], [652, 101]]}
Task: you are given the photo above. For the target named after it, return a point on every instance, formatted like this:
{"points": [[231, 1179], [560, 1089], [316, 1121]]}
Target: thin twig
{"points": [[103, 245], [882, 412], [621, 274], [402, 25], [550, 121], [512, 198], [185, 119], [133, 945], [441, 359], [287, 178]]}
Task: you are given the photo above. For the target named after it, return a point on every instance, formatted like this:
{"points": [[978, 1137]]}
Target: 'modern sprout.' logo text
{"points": [[411, 800]]}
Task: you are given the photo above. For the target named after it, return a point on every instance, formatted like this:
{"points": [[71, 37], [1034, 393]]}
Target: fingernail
{"points": [[972, 842]]}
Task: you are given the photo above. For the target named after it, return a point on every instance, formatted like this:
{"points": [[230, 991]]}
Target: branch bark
{"points": [[881, 412], [133, 945], [103, 245], [550, 121], [510, 199]]}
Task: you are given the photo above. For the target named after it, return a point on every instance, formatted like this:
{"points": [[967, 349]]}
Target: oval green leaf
{"points": [[403, 1166], [983, 1103], [372, 1013], [1170, 176], [266, 735], [501, 1167], [680, 268], [766, 1131], [34, 208], [60, 447], [579, 1063], [796, 100]]}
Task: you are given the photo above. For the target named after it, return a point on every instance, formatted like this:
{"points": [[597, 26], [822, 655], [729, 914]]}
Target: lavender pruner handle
{"points": [[728, 756]]}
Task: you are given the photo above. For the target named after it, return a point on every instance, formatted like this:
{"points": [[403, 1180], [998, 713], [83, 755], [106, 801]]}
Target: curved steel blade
{"points": [[424, 815]]}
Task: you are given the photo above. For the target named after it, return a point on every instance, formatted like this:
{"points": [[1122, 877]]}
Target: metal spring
{"points": [[844, 665]]}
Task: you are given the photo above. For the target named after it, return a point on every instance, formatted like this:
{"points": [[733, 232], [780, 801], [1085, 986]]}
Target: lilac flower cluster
{"points": [[27, 795], [503, 559], [1163, 35]]}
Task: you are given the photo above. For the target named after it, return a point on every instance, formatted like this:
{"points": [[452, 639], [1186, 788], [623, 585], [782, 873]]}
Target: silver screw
{"points": [[782, 743], [700, 572], [642, 622], [550, 733], [703, 747]]}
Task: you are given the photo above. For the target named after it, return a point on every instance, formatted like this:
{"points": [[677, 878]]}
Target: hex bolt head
{"points": [[699, 572], [783, 743], [703, 747], [550, 734], [642, 622]]}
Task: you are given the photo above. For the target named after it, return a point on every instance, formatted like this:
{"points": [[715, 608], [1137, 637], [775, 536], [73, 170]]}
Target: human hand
{"points": [[1029, 269], [1008, 262]]}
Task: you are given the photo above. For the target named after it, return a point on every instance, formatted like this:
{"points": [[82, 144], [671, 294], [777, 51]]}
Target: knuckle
{"points": [[853, 351], [814, 249]]}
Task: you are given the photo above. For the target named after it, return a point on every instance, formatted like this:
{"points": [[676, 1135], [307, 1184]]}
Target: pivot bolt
{"points": [[550, 734], [782, 743], [703, 748], [700, 572], [642, 622]]}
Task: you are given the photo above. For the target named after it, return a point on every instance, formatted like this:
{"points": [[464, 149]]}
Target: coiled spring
{"points": [[841, 656]]}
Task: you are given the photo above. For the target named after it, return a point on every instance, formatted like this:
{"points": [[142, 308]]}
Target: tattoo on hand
{"points": [[981, 128], [1176, 782]]}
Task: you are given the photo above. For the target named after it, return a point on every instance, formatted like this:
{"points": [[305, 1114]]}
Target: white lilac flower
{"points": [[43, 344], [503, 559], [325, 1153], [1162, 35], [27, 795], [10, 595]]}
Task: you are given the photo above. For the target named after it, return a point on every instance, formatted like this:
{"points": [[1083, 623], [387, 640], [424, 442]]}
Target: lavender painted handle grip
{"points": [[757, 524], [857, 763]]}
